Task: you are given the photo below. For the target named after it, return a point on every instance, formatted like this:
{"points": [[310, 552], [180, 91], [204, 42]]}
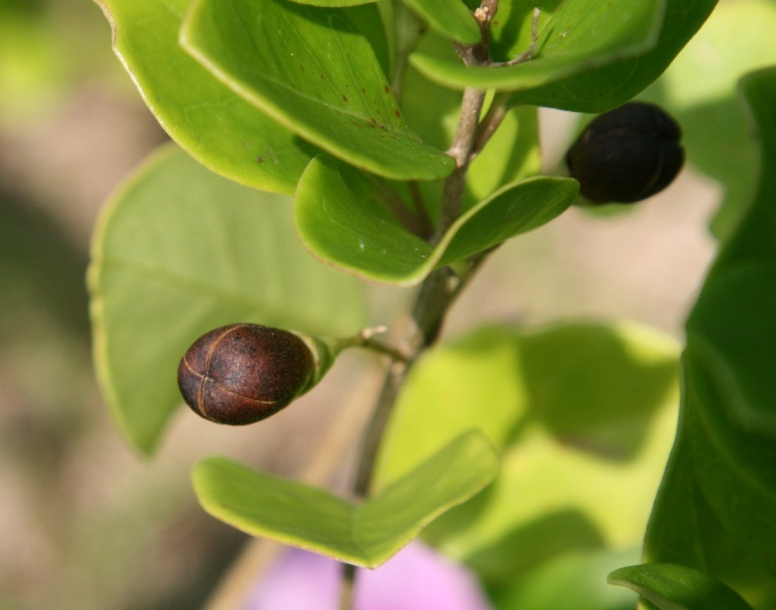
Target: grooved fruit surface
{"points": [[243, 373]]}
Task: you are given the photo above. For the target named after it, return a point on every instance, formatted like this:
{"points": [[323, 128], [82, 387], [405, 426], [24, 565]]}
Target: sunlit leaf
{"points": [[365, 534], [180, 251], [340, 216], [207, 119], [314, 71], [583, 450]]}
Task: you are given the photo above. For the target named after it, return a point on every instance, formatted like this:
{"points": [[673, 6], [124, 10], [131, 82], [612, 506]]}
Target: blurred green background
{"points": [[86, 524]]}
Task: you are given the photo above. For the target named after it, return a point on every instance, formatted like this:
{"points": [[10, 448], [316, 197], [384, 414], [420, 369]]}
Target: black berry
{"points": [[627, 154]]}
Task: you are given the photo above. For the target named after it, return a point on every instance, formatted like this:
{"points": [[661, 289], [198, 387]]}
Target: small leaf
{"points": [[314, 71], [366, 534], [213, 124], [180, 251], [677, 587], [451, 18], [576, 37], [611, 85], [340, 219]]}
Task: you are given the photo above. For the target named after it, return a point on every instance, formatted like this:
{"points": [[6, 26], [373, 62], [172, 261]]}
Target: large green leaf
{"points": [[684, 529], [575, 35], [207, 119], [365, 534], [340, 217], [313, 70], [677, 587], [726, 450], [180, 251], [584, 416]]}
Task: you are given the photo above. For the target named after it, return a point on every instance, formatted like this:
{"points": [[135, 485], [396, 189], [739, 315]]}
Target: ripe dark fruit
{"points": [[626, 155], [242, 373]]}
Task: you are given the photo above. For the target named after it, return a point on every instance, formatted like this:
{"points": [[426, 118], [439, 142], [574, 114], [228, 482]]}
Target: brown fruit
{"points": [[243, 373]]}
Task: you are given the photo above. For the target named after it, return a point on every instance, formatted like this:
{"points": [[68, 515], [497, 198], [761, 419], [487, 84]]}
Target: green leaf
{"points": [[684, 529], [208, 120], [575, 37], [582, 452], [451, 18], [313, 70], [720, 487], [365, 534], [180, 251], [731, 337], [677, 587], [608, 56], [574, 580], [340, 218], [608, 86]]}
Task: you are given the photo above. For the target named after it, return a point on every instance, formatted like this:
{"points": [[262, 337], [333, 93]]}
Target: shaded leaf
{"points": [[180, 251], [677, 587], [574, 580], [725, 452]]}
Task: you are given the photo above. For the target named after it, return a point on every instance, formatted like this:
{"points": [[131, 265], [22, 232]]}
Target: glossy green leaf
{"points": [[677, 587], [575, 36], [451, 18], [574, 580], [365, 534], [180, 251], [582, 450], [700, 89], [340, 217], [208, 120], [314, 71]]}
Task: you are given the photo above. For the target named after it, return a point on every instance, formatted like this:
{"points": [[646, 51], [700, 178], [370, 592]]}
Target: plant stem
{"points": [[440, 289]]}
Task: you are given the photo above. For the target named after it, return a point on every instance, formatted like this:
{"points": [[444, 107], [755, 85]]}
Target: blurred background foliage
{"points": [[88, 525]]}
